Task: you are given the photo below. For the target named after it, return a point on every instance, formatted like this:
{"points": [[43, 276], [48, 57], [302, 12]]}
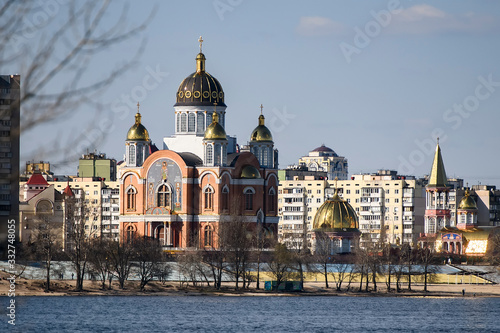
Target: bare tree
{"points": [[99, 261], [342, 270], [261, 244], [149, 260], [281, 264], [493, 250], [46, 243], [426, 257], [322, 255], [53, 44], [120, 256]]}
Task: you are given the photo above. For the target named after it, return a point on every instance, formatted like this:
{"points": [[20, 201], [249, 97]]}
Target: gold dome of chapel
{"points": [[138, 132], [261, 133], [335, 215], [467, 201], [215, 131]]}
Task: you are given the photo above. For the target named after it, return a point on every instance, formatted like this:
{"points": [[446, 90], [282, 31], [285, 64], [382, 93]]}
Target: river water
{"points": [[252, 314]]}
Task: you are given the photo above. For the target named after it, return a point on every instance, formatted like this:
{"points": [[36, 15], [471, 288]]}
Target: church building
{"points": [[200, 180]]}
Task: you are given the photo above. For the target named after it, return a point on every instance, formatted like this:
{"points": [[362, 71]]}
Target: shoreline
{"points": [[35, 288]]}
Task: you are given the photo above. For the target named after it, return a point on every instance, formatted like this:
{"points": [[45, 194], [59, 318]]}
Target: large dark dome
{"points": [[200, 88]]}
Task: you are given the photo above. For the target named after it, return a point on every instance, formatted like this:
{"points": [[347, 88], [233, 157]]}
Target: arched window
{"points": [[249, 199], [191, 122], [209, 198], [131, 198], [225, 198], [178, 118], [265, 156], [131, 155], [130, 234], [200, 120], [210, 155], [164, 196], [217, 161], [272, 200], [183, 122], [139, 155], [209, 118], [208, 236]]}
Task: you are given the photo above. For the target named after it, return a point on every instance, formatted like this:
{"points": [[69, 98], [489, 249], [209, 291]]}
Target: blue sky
{"points": [[376, 81]]}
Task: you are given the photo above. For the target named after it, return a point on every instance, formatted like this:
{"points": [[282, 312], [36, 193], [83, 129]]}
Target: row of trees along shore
{"points": [[239, 253]]}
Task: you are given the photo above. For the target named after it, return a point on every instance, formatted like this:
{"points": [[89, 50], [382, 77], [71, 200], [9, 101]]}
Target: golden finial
{"points": [[261, 107], [201, 42], [438, 140], [138, 115], [336, 186], [138, 107]]}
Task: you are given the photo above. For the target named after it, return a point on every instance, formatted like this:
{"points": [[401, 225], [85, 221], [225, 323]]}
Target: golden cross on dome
{"points": [[138, 107], [336, 188], [201, 42], [438, 139], [261, 107]]}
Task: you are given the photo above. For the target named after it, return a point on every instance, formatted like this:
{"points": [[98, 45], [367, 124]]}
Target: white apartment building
{"points": [[390, 207]]}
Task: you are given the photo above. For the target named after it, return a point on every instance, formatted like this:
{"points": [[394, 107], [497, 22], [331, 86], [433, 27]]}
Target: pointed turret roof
{"points": [[37, 179], [437, 177], [68, 191]]}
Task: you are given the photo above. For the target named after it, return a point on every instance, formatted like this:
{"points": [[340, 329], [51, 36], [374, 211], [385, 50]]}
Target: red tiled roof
{"points": [[37, 179]]}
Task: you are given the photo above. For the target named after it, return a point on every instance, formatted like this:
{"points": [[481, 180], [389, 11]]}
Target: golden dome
{"points": [[138, 132], [250, 172], [336, 215], [467, 201], [261, 132], [215, 131]]}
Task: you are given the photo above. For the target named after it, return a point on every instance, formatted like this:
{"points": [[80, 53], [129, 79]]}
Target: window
{"points": [[387, 200], [130, 234], [210, 155], [272, 200], [348, 192], [309, 191], [183, 122], [191, 122], [249, 199], [178, 122], [209, 198], [96, 192], [387, 191], [318, 200], [209, 236], [225, 198], [131, 198], [396, 191], [164, 196], [131, 154], [318, 191], [200, 123], [396, 200]]}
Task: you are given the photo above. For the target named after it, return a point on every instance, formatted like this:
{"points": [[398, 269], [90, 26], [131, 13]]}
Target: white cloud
{"points": [[318, 26], [426, 19]]}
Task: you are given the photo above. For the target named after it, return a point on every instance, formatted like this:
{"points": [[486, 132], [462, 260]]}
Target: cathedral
{"points": [[201, 179]]}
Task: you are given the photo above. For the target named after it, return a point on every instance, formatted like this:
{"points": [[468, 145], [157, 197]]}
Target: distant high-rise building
{"points": [[10, 101], [97, 165]]}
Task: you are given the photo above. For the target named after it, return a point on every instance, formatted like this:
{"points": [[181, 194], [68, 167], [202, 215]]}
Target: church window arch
{"points": [[131, 155], [225, 198], [272, 199], [178, 122], [183, 122], [209, 236], [210, 154], [191, 122], [131, 196], [249, 194], [130, 234], [217, 154], [200, 123], [208, 194], [164, 196]]}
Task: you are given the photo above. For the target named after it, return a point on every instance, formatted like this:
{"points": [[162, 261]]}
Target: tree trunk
{"points": [[47, 287], [326, 276], [374, 280]]}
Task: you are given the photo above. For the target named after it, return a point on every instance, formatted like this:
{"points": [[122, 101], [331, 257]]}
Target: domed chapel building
{"points": [[181, 195]]}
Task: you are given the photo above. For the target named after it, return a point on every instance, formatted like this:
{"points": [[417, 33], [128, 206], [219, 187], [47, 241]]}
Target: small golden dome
{"points": [[250, 172], [261, 133], [138, 132], [467, 201], [215, 131], [335, 214]]}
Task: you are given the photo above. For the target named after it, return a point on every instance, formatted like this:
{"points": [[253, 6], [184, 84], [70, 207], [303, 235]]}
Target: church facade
{"points": [[200, 180]]}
